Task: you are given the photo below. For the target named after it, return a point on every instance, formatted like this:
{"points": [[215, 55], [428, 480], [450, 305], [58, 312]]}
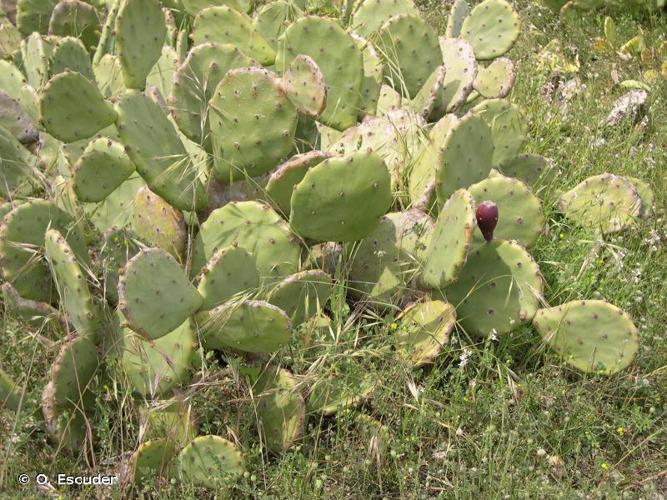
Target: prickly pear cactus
{"points": [[491, 28], [101, 169], [302, 295], [209, 461]]}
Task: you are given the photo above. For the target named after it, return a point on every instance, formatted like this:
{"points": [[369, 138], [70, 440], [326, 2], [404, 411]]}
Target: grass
{"points": [[499, 419]]}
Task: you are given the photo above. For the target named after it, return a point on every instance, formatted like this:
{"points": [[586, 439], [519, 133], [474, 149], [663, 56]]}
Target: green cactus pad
{"points": [[223, 24], [341, 199], [491, 28], [499, 289], [495, 80], [520, 211], [388, 259], [139, 24], [411, 53], [389, 100], [155, 295], [421, 179], [508, 125], [288, 174], [16, 121], [423, 329], [109, 76], [302, 295], [338, 57], [77, 19], [272, 19], [281, 410], [155, 367], [193, 7], [429, 96], [101, 168], [460, 71], [231, 271], [395, 137], [72, 108], [153, 459], [467, 155], [161, 76], [195, 82], [251, 326], [116, 209], [21, 239], [34, 15], [372, 14], [158, 223], [171, 419], [75, 297], [257, 228], [14, 84], [605, 203], [535, 170], [70, 54], [451, 238], [35, 53], [457, 14], [591, 335], [17, 167], [304, 85], [373, 74], [210, 461], [152, 143], [342, 385], [10, 394], [252, 124], [67, 396]]}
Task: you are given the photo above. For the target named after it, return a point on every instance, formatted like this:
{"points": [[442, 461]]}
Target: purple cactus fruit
{"points": [[487, 218]]}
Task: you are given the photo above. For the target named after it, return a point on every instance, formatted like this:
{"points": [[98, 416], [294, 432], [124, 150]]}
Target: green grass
{"points": [[499, 419]]}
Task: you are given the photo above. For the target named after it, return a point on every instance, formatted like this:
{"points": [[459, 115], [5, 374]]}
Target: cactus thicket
{"points": [[182, 177]]}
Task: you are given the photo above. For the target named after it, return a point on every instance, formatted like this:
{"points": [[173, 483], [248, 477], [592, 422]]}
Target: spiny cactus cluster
{"points": [[190, 176]]}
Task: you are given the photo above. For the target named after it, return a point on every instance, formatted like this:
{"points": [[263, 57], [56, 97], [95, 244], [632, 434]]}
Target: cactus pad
{"points": [[249, 326], [591, 335], [255, 227], [16, 121], [389, 100], [342, 385], [496, 80], [281, 410], [72, 108], [338, 57], [460, 71], [288, 174], [508, 127], [457, 14], [388, 259], [423, 330], [304, 85], [155, 295], [21, 239], [450, 240], [520, 218], [17, 164], [155, 367], [534, 170], [373, 74], [210, 461], [152, 459], [99, 171], [152, 143], [372, 14], [116, 248], [427, 98], [195, 82], [70, 54], [271, 20], [35, 53], [498, 289], [410, 49], [302, 295], [341, 199], [10, 395], [605, 203], [75, 18], [491, 28], [231, 271], [158, 223], [140, 24], [75, 297], [252, 124], [223, 24], [467, 156]]}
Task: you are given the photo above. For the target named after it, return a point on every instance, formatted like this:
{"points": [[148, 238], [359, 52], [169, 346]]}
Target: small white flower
{"points": [[494, 334], [463, 359]]}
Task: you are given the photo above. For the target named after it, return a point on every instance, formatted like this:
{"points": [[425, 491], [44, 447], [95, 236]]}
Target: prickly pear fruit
{"points": [[487, 218]]}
